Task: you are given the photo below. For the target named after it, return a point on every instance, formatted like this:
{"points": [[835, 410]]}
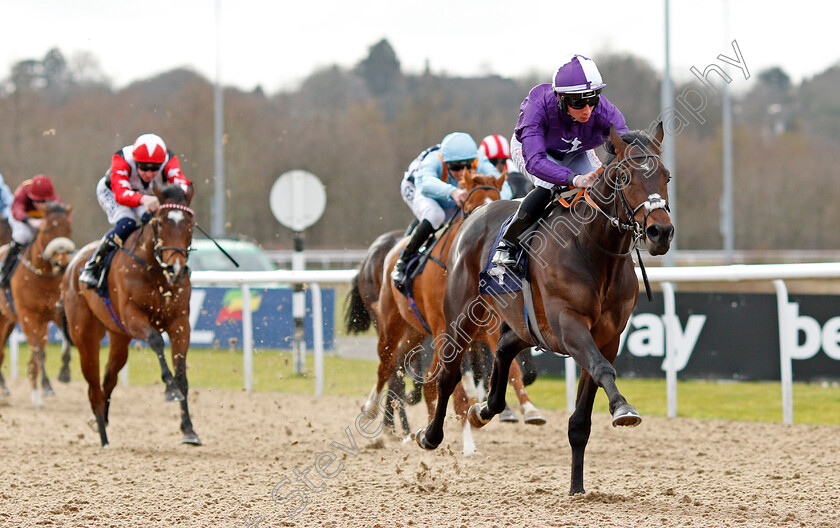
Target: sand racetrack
{"points": [[664, 473]]}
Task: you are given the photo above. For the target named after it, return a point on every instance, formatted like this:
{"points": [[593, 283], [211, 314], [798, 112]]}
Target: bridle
{"points": [[654, 202], [474, 189], [56, 246], [638, 231], [159, 248]]}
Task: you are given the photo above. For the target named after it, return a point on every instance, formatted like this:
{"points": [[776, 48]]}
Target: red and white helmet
{"points": [[149, 148], [495, 147]]}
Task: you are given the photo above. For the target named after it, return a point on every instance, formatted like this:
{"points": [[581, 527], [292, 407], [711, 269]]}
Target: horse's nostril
{"points": [[653, 233]]}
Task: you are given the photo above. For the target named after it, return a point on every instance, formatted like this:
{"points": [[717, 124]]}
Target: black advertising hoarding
{"points": [[727, 336]]}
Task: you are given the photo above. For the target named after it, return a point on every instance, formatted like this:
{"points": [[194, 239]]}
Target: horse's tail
{"points": [[356, 316], [61, 317]]}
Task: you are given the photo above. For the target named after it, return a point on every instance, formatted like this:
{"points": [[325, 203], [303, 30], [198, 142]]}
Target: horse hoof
{"points": [[474, 415], [420, 437], [174, 394], [626, 415], [191, 439], [47, 392], [64, 375], [508, 416], [534, 418], [91, 422]]}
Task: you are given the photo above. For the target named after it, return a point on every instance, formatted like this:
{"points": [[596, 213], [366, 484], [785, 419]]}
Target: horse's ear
{"points": [[156, 189], [69, 209], [189, 194], [501, 179], [659, 135], [467, 181], [617, 142]]}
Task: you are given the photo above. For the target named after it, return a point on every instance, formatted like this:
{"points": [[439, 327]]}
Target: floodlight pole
{"points": [[218, 221], [668, 154]]}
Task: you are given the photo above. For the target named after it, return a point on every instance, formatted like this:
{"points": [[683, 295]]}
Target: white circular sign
{"points": [[297, 199]]}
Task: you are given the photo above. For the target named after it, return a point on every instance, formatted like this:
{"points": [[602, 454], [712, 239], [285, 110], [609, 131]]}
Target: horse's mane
{"points": [[639, 138], [56, 207], [172, 193]]}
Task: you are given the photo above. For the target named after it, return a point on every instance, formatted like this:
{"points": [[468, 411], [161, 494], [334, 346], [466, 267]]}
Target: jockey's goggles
{"points": [[148, 166], [577, 102], [456, 166]]}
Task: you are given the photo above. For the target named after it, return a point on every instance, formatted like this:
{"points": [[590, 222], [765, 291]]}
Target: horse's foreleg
{"points": [[580, 425], [172, 392], [180, 341], [509, 345], [64, 373], [450, 375], [532, 414], [36, 364], [5, 330], [463, 398], [577, 340], [46, 386]]}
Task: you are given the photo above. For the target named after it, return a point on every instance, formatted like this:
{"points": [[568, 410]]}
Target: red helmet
{"points": [[149, 148], [41, 189], [495, 147]]}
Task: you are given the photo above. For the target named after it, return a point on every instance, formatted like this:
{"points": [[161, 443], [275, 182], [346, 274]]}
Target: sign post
{"points": [[298, 200]]}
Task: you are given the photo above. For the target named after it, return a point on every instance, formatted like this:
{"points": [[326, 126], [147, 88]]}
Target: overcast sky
{"points": [[276, 44]]}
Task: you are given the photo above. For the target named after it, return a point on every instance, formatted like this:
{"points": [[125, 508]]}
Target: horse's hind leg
{"points": [[117, 356], [89, 362]]}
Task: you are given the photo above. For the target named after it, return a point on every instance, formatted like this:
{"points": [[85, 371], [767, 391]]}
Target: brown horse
{"points": [[35, 287], [149, 288], [583, 283], [360, 315], [401, 331]]}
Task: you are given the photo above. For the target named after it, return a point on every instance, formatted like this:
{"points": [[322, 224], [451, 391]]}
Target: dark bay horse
{"points": [[35, 288], [583, 282], [401, 331], [149, 287]]}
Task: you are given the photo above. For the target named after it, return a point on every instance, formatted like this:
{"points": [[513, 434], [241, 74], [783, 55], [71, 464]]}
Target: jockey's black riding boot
{"points": [[421, 233], [9, 263], [92, 272], [529, 210]]}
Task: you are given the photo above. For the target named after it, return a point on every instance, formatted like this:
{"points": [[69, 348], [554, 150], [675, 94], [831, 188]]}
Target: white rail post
{"points": [[124, 375], [318, 337], [571, 383], [670, 305], [14, 352], [247, 338], [788, 337]]}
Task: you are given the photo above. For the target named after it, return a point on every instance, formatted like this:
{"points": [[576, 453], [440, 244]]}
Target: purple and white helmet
{"points": [[578, 76]]}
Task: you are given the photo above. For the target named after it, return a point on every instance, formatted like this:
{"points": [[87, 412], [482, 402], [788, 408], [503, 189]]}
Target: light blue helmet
{"points": [[458, 146]]}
